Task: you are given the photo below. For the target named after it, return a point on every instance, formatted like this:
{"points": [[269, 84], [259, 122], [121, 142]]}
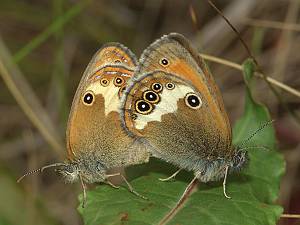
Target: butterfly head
{"points": [[239, 160], [69, 171], [90, 170]]}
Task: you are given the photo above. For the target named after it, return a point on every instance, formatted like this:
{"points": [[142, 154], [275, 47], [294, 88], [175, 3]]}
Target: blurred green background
{"points": [[46, 45]]}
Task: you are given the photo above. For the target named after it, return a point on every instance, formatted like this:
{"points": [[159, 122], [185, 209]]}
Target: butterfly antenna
{"points": [[40, 170], [255, 132]]}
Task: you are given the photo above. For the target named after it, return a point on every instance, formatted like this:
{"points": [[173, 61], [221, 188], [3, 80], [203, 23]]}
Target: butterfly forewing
{"points": [[94, 127], [173, 54]]}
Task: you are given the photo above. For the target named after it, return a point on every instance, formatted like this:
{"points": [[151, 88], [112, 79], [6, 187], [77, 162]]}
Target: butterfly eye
{"points": [[88, 98], [193, 101], [143, 107], [170, 86], [104, 82], [157, 87], [164, 62], [151, 96], [118, 81]]}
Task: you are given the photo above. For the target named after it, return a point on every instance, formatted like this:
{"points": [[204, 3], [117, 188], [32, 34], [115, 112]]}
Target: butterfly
{"points": [[174, 106], [96, 141]]}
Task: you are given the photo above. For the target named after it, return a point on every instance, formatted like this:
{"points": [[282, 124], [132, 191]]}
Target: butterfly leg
{"points": [[224, 183], [170, 177], [111, 184], [128, 184], [84, 191]]}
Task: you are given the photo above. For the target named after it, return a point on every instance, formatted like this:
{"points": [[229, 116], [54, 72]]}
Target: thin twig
{"points": [[214, 36], [258, 68], [260, 75], [184, 197], [233, 28]]}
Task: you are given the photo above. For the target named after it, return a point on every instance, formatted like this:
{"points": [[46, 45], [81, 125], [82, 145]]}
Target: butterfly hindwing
{"points": [[175, 119]]}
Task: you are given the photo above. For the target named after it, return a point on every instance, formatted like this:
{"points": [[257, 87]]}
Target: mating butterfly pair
{"points": [[167, 105]]}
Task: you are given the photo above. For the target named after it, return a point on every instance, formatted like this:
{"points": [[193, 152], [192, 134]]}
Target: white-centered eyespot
{"points": [[157, 87], [88, 98], [118, 81], [164, 62], [104, 82], [151, 96], [143, 107], [170, 86], [193, 101]]}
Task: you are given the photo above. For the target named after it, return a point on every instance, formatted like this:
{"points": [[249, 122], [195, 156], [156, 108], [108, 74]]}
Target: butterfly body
{"points": [[184, 122]]}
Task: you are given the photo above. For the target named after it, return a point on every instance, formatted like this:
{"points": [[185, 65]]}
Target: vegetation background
{"points": [[46, 45]]}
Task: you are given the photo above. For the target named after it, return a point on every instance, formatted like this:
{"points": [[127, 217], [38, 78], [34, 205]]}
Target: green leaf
{"points": [[253, 191]]}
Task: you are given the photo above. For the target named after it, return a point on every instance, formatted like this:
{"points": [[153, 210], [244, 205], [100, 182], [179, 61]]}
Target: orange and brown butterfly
{"points": [[95, 140], [174, 105]]}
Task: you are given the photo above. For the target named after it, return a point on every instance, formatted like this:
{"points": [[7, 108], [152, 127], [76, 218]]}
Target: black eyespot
{"points": [[143, 107], [118, 81], [170, 86], [88, 98], [117, 61], [164, 62], [193, 101], [157, 87], [151, 96], [104, 82]]}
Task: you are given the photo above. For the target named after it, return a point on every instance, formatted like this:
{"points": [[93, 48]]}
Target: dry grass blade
{"points": [[272, 24], [239, 67], [27, 100], [193, 16], [285, 42], [291, 216]]}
